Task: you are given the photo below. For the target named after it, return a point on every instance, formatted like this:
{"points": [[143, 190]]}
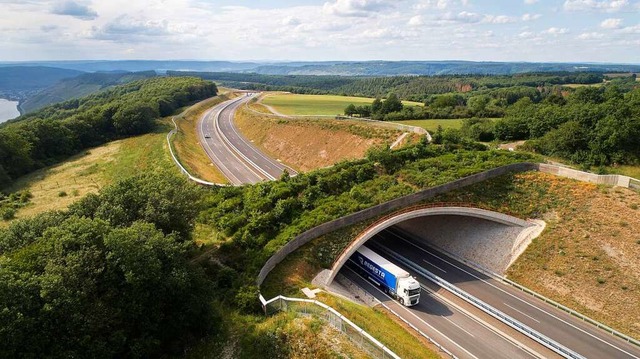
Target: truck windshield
{"points": [[413, 292]]}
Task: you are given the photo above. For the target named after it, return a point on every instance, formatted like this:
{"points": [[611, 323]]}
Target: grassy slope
{"points": [[88, 172], [187, 143], [310, 144], [587, 257], [292, 104], [296, 272]]}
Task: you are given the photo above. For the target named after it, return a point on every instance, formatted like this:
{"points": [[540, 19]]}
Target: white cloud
{"points": [[531, 17], [555, 31], [416, 21], [630, 29], [526, 35], [596, 5], [75, 9], [611, 24], [499, 19], [290, 20], [530, 2], [439, 4], [357, 8], [590, 36]]}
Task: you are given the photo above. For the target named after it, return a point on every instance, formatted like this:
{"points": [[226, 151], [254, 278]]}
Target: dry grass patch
{"points": [[58, 186], [588, 257], [311, 144]]}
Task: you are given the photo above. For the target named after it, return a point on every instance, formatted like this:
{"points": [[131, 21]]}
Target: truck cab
{"points": [[408, 291]]}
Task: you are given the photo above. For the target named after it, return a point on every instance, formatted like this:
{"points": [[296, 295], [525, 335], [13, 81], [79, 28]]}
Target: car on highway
{"points": [[207, 135]]}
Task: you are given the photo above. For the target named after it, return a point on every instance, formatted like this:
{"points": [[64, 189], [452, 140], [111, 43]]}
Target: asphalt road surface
{"points": [[459, 332], [583, 338], [236, 157]]}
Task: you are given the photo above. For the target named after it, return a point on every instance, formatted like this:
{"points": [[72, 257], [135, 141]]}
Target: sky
{"points": [[308, 30]]}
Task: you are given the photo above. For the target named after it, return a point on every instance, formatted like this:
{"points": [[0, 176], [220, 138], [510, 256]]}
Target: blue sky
{"points": [[517, 30]]}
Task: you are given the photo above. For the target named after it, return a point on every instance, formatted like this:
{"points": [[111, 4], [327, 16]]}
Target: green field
{"points": [[432, 125], [306, 105]]}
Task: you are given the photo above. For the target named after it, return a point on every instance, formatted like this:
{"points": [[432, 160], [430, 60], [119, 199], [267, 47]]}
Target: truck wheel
{"points": [[401, 301]]}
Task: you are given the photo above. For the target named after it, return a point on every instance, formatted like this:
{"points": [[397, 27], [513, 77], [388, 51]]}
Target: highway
{"points": [[450, 325], [583, 338], [236, 157]]}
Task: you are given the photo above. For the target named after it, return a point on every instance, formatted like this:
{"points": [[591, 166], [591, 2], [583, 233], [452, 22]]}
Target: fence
{"points": [[313, 307]]}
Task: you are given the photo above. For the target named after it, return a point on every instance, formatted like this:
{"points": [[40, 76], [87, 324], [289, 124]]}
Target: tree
{"points": [[350, 110], [391, 104], [86, 289], [376, 106]]}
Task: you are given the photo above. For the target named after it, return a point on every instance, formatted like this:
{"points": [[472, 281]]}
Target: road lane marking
{"points": [[526, 315], [459, 327], [520, 299], [413, 314], [433, 265]]}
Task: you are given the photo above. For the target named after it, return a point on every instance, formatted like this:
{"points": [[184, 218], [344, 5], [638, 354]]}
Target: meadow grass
{"points": [[308, 105], [93, 169]]}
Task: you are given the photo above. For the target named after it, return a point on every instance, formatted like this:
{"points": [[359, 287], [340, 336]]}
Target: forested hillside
{"points": [[79, 86], [56, 132]]}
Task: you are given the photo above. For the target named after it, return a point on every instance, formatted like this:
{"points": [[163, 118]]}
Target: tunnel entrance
{"points": [[488, 239]]}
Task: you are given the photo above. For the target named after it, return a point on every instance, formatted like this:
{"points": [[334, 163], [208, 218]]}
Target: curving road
{"points": [[583, 338], [236, 157]]}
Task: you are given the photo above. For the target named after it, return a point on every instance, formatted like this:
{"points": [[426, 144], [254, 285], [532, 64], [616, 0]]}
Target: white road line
{"points": [[526, 315], [520, 299], [418, 318], [204, 140], [433, 265], [459, 327], [482, 323]]}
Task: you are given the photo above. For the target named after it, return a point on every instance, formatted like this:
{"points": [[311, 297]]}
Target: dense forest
{"points": [[118, 275], [415, 88], [53, 133]]}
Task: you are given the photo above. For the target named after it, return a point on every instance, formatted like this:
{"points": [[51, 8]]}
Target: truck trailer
{"points": [[395, 281]]}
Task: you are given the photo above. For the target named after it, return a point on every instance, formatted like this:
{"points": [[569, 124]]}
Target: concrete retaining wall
{"points": [[406, 201]]}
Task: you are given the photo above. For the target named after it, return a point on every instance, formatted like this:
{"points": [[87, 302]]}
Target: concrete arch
{"points": [[423, 212]]}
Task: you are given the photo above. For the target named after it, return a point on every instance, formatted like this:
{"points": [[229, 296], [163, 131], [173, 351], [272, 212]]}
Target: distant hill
{"points": [[80, 86], [143, 65], [340, 68], [29, 78], [431, 68]]}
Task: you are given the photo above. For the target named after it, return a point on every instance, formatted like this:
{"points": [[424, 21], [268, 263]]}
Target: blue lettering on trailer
{"points": [[377, 272]]}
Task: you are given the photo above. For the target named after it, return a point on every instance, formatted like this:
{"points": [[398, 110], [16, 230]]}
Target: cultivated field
{"points": [[432, 125], [309, 105]]}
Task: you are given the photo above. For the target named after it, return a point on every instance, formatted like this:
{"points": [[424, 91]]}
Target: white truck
{"points": [[393, 280]]}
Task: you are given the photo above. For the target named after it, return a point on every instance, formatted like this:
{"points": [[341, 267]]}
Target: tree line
{"points": [[56, 132]]}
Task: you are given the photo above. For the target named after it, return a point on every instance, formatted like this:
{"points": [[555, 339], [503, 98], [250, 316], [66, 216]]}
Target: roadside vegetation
{"points": [[186, 141]]}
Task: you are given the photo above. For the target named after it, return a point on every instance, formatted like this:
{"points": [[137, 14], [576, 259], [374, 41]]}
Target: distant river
{"points": [[8, 110]]}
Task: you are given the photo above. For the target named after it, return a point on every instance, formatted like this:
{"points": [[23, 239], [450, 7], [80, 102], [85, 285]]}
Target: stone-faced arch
{"points": [[529, 229]]}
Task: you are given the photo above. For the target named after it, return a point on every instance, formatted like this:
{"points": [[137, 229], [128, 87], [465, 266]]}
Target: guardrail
{"points": [[335, 319], [537, 295], [180, 166], [522, 328]]}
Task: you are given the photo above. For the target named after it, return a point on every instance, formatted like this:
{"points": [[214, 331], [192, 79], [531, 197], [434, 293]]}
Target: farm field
{"points": [[432, 125], [309, 105]]}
